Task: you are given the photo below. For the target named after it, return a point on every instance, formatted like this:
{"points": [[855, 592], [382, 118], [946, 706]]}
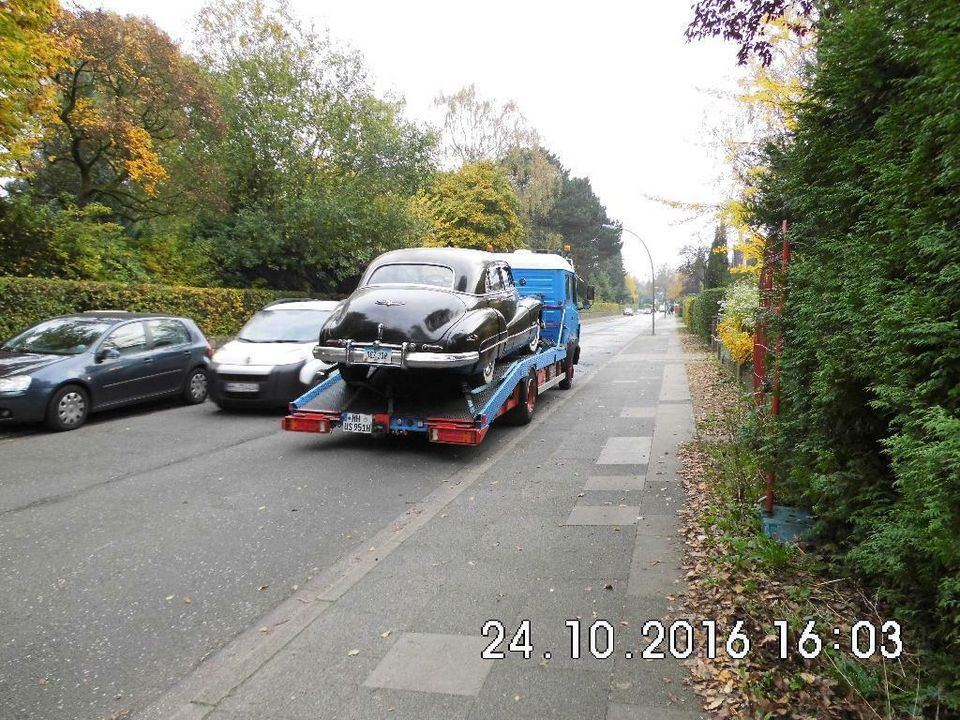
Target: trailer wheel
{"points": [[568, 362], [529, 392]]}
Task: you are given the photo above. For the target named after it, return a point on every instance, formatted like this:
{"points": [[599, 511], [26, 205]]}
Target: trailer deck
{"points": [[442, 406]]}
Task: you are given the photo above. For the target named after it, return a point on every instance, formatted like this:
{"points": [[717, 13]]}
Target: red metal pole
{"points": [[775, 401]]}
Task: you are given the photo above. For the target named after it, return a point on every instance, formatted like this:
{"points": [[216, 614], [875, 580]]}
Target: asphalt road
{"points": [[135, 547]]}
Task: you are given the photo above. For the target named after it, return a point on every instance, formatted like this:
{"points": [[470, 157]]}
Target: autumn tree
{"points": [[31, 51], [746, 22], [538, 181], [129, 102], [476, 128], [473, 207]]}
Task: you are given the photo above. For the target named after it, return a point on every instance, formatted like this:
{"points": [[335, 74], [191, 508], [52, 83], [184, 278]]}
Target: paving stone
{"points": [[646, 411], [614, 482], [542, 692], [617, 711], [423, 662], [625, 451], [603, 515]]}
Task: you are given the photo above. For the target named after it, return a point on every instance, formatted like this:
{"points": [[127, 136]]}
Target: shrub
{"points": [[738, 318], [703, 311], [218, 311]]}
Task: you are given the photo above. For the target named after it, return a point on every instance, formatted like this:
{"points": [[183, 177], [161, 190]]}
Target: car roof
{"points": [[326, 305], [121, 315], [527, 260]]}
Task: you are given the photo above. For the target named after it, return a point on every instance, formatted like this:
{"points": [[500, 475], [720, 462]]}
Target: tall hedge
{"points": [[218, 311], [701, 310], [870, 424]]}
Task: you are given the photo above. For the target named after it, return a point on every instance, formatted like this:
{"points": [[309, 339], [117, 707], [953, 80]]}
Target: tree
{"points": [[538, 181], [317, 170], [717, 272], [746, 22], [693, 268], [475, 128], [128, 103], [30, 53], [473, 207]]}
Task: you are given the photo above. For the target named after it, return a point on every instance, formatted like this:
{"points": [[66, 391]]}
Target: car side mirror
{"points": [[109, 353]]}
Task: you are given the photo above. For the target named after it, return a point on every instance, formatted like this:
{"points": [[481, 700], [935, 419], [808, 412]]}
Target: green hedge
{"points": [[218, 311], [701, 310]]}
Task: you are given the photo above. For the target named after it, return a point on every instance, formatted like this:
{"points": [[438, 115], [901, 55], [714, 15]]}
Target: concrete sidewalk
{"points": [[574, 520]]}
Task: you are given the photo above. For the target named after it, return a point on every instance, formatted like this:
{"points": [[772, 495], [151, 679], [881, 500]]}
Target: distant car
{"points": [[628, 311], [431, 308], [270, 362], [61, 370]]}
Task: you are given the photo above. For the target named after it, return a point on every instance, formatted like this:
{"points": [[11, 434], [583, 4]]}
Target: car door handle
{"points": [[186, 353], [148, 361]]}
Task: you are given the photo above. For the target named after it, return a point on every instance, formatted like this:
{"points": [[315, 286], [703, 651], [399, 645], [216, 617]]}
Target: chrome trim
{"points": [[404, 359]]}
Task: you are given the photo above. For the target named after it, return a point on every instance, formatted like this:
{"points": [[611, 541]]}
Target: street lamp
{"points": [[653, 275]]}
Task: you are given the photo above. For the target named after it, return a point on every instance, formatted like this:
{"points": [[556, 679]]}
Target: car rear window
{"points": [[412, 274]]}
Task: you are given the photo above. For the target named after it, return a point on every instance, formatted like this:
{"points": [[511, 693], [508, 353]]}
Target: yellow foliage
{"points": [[29, 55], [738, 341]]}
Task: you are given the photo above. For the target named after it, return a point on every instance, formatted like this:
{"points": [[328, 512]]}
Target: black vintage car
{"points": [[435, 308]]}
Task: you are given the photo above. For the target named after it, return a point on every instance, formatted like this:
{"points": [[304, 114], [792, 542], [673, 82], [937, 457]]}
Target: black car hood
{"points": [[16, 363], [408, 314]]}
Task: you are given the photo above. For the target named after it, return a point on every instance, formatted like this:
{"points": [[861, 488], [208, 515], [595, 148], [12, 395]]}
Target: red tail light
{"points": [[209, 351]]}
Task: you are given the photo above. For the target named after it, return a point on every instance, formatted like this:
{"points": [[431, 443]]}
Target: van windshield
{"points": [[299, 326]]}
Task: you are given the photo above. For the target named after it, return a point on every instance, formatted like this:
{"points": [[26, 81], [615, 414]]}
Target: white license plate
{"points": [[357, 422], [377, 357], [241, 387]]}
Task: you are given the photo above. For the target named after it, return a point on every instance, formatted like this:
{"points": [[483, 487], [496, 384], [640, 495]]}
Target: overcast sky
{"points": [[611, 86]]}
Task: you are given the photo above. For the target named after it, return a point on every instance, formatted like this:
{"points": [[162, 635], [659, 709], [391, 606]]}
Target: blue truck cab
{"points": [[551, 277]]}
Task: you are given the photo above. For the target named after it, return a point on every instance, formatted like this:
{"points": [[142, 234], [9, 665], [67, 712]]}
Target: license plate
{"points": [[377, 357], [358, 423], [238, 387]]}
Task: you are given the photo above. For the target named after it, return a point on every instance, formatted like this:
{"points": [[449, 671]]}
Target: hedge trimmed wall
{"points": [[701, 310], [218, 311]]}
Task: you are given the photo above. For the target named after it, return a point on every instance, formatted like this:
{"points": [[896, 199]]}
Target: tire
{"points": [[68, 408], [535, 343], [487, 373], [196, 387], [522, 414], [568, 363], [354, 374]]}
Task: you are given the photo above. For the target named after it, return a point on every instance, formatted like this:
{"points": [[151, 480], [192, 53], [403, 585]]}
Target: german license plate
{"points": [[377, 357], [239, 387], [357, 422]]}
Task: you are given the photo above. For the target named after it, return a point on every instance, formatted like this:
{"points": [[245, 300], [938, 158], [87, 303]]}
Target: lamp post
{"points": [[653, 275]]}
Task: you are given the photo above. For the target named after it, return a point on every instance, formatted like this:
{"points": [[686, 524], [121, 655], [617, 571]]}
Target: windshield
{"points": [[409, 274], [298, 326], [64, 336]]}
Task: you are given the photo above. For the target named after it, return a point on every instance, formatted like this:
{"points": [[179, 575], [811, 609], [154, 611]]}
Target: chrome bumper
{"points": [[400, 356]]}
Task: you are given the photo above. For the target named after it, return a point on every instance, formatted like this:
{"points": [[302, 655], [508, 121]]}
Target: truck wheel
{"points": [[522, 414], [568, 363]]}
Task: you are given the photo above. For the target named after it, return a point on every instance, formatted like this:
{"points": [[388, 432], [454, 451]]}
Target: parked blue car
{"points": [[60, 370]]}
